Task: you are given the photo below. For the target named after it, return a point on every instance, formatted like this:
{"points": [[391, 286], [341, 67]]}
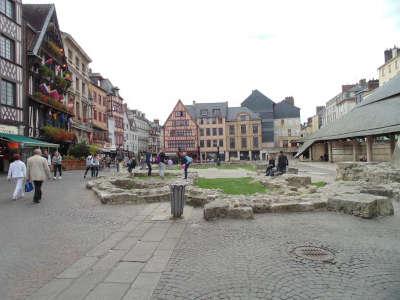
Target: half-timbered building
{"points": [[181, 132], [47, 74]]}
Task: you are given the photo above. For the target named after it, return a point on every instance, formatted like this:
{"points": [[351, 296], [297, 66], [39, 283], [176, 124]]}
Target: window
{"points": [[255, 129], [289, 132], [83, 68], [203, 112], [215, 143], [231, 129], [221, 143], [77, 62], [201, 143], [232, 143], [95, 114], [7, 8], [7, 93], [243, 129], [244, 143], [208, 133], [94, 97], [214, 131], [214, 120], [180, 114], [219, 120], [77, 85], [201, 131], [216, 112], [220, 131], [208, 143], [244, 117], [6, 48], [255, 142]]}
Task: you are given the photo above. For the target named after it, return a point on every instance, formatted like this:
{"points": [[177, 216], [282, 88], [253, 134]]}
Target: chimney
{"points": [[157, 122], [388, 55], [363, 82], [289, 100]]}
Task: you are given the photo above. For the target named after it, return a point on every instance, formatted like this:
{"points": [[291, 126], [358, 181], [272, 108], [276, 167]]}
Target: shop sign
{"points": [[8, 129]]}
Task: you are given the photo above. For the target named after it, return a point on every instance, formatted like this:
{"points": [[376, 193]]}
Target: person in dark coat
{"points": [[270, 166], [148, 162], [282, 162]]}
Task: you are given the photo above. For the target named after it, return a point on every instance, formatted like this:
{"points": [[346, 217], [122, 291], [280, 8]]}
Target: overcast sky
{"points": [[159, 51]]}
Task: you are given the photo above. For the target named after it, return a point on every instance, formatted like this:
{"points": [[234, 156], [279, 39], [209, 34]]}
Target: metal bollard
{"points": [[177, 197]]}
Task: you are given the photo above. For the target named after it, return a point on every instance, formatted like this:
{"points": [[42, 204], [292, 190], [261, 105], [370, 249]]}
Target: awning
{"points": [[26, 141]]}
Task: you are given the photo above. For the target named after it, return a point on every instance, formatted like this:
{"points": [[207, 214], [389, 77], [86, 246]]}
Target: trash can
{"points": [[177, 197]]}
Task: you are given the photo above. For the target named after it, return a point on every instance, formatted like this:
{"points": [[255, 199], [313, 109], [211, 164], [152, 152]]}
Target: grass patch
{"points": [[319, 184], [232, 186]]}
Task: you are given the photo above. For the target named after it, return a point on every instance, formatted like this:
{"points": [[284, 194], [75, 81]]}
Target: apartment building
{"points": [[391, 67]]}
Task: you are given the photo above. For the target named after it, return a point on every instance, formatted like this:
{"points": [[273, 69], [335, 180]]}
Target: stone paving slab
{"points": [[107, 244], [127, 243], [142, 252], [125, 272], [108, 291], [156, 233], [143, 286], [51, 290], [79, 267]]}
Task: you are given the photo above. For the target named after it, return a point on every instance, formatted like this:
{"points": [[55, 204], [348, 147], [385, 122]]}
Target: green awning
{"points": [[26, 141]]}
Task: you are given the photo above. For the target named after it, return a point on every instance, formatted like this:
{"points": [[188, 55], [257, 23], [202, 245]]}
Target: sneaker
{"points": [[60, 177], [54, 177]]}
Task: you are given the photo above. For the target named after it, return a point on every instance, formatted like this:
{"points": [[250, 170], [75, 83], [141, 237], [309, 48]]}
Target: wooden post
{"points": [[330, 157], [392, 144], [310, 153], [369, 140]]}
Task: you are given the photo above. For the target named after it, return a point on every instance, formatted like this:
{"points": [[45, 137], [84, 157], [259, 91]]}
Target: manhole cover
{"points": [[313, 253]]}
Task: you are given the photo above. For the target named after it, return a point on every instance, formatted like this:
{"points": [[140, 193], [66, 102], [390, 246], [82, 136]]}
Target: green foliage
{"points": [[225, 166], [319, 184], [232, 186], [80, 150], [93, 149]]}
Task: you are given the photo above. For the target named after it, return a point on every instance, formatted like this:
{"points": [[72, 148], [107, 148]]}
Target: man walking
{"points": [[148, 162], [89, 164], [282, 162], [37, 172]]}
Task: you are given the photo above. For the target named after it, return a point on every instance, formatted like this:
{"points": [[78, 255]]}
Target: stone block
{"points": [[385, 207], [298, 181], [216, 209], [125, 272], [142, 252], [360, 205], [292, 207], [143, 287], [242, 212], [108, 291], [292, 171]]}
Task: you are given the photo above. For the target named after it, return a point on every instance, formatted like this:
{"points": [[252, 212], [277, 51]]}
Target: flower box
{"points": [[73, 164]]}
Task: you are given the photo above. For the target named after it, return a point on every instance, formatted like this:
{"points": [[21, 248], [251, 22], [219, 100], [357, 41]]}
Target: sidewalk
{"points": [[126, 265]]}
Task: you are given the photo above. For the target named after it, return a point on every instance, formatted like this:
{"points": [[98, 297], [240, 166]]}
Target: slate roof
{"points": [[234, 111], [196, 109], [258, 102], [284, 110], [378, 114]]}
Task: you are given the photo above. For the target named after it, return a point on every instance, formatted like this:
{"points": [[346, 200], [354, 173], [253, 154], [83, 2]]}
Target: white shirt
{"points": [[17, 169]]}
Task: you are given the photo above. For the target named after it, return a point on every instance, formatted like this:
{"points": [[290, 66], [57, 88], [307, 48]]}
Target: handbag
{"points": [[28, 187]]}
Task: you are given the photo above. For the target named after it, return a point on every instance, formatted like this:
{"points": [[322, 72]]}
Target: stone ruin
{"points": [[361, 189]]}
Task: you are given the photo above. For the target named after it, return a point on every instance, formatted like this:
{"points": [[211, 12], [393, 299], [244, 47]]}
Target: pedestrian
{"points": [[108, 161], [17, 172], [47, 156], [119, 158], [161, 163], [186, 161], [95, 165], [148, 162], [282, 162], [37, 172], [57, 164], [134, 163], [89, 164], [270, 166]]}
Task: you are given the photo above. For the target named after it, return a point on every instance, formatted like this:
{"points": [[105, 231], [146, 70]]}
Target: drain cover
{"points": [[313, 253]]}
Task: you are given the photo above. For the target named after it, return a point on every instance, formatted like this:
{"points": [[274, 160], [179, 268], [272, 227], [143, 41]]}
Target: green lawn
{"points": [[319, 184], [232, 186]]}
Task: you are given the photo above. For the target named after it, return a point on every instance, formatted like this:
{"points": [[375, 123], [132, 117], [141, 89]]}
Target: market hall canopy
{"points": [[26, 141], [378, 114]]}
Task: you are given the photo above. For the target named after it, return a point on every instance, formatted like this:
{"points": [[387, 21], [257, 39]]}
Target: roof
{"points": [[258, 102], [379, 114], [284, 110], [26, 141], [196, 109], [234, 111], [69, 37]]}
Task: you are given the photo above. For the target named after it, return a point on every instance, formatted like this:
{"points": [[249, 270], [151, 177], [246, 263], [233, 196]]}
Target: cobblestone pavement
{"points": [[231, 259], [37, 242]]}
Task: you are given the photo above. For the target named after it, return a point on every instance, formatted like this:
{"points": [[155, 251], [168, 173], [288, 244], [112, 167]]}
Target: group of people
{"points": [[92, 164], [279, 168], [35, 171]]}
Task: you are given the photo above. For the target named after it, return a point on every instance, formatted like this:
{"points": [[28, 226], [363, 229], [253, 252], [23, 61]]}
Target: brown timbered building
{"points": [[181, 132]]}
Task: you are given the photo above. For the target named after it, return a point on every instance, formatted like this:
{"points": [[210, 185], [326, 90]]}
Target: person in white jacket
{"points": [[17, 172]]}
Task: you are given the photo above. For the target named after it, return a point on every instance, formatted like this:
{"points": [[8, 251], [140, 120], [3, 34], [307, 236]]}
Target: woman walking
{"points": [[17, 172], [57, 164], [161, 163]]}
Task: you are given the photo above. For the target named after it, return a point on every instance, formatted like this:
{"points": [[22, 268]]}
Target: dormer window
{"points": [[180, 114], [216, 112], [204, 112]]}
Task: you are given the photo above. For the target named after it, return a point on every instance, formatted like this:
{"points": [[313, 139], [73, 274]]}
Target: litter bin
{"points": [[177, 197]]}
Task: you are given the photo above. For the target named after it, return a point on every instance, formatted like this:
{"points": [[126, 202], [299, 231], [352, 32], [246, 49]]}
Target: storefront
{"points": [[13, 143]]}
